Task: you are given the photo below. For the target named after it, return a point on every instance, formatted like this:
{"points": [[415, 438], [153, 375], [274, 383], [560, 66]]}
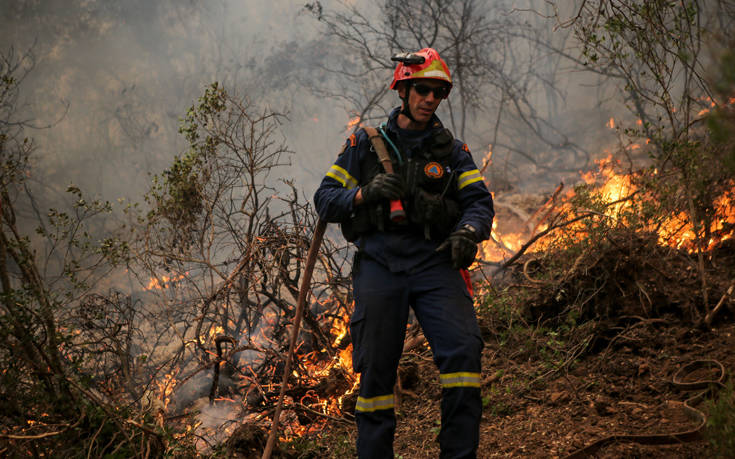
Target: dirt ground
{"points": [[554, 384], [623, 389]]}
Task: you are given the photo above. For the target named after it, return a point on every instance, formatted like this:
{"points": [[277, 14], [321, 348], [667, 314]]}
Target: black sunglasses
{"points": [[440, 92]]}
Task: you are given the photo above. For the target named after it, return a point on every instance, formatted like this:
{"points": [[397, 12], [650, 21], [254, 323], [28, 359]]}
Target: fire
{"points": [[712, 104], [162, 282], [487, 161], [356, 121], [314, 368], [342, 359], [615, 191], [214, 331], [675, 230], [339, 330], [614, 187], [678, 232], [611, 123], [165, 389], [511, 241]]}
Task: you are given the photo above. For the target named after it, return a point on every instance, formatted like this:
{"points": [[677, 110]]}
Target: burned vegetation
{"points": [[607, 309]]}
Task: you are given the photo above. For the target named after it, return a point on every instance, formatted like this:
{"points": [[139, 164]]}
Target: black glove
{"points": [[464, 247], [383, 186]]}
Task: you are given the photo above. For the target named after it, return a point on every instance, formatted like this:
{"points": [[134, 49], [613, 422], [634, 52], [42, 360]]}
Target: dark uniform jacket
{"points": [[396, 249]]}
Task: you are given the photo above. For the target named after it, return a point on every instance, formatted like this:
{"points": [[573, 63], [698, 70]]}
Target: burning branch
{"points": [[538, 236], [305, 284], [215, 379], [548, 204]]}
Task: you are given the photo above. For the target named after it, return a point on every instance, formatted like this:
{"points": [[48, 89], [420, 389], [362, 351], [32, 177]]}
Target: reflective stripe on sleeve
{"points": [[342, 176], [461, 379], [367, 405], [468, 177]]}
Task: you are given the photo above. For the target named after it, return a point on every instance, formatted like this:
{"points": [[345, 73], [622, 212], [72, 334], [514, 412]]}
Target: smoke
{"points": [[112, 80]]}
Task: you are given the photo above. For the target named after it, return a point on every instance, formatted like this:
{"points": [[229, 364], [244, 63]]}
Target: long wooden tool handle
{"points": [[397, 213], [316, 242]]}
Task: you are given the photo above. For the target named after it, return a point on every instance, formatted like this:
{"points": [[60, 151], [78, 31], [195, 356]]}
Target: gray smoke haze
{"points": [[112, 79]]}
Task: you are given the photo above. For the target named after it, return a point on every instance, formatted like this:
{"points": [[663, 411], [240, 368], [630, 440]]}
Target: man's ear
{"points": [[402, 89]]}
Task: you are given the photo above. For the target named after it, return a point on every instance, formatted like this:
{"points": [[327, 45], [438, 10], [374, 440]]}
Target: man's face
{"points": [[422, 106]]}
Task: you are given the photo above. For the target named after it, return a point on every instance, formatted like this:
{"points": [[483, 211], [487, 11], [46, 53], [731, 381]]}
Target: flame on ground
{"points": [[313, 368], [616, 191]]}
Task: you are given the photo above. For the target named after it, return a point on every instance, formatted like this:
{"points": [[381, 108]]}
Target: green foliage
{"points": [[178, 194], [62, 372], [499, 309], [656, 50], [210, 106], [327, 444], [437, 427], [720, 430], [495, 404], [501, 409]]}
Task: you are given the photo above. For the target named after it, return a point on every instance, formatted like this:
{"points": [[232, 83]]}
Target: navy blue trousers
{"points": [[444, 309]]}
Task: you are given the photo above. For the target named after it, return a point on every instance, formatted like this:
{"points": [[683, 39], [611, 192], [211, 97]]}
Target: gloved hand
{"points": [[463, 243], [383, 186]]}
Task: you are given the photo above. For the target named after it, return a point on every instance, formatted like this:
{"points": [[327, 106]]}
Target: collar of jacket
{"points": [[433, 124]]}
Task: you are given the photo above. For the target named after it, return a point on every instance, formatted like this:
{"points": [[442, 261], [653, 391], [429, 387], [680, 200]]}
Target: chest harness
{"points": [[431, 203]]}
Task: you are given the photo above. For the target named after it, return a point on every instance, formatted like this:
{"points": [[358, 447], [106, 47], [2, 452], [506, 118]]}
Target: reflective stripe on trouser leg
{"points": [[377, 328], [447, 316], [368, 405], [460, 379]]}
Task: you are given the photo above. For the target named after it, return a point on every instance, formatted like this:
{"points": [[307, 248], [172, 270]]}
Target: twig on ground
{"points": [[710, 315], [303, 407]]}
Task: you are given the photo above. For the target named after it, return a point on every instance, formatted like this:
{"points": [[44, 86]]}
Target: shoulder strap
{"points": [[379, 145]]}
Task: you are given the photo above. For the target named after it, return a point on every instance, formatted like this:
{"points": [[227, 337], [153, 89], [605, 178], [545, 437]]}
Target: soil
{"points": [[577, 356], [624, 389]]}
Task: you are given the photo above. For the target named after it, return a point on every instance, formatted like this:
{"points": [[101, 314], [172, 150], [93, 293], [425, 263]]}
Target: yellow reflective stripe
{"points": [[342, 176], [367, 405], [460, 379], [468, 177], [337, 178]]}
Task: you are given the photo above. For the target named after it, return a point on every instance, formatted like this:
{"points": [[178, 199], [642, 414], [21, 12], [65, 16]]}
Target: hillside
{"points": [[554, 384]]}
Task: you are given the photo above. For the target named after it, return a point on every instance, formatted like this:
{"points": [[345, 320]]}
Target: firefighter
{"points": [[419, 261]]}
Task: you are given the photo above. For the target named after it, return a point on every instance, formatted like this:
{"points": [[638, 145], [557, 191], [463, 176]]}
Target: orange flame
{"points": [[675, 231], [162, 282], [356, 121], [166, 388], [314, 367]]}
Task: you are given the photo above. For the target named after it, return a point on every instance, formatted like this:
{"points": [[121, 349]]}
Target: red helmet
{"points": [[422, 64]]}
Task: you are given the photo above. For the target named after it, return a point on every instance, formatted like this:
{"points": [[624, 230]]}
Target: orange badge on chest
{"points": [[434, 170]]}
